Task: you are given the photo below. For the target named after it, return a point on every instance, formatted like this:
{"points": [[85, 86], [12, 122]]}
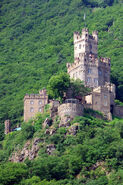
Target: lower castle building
{"points": [[34, 103], [102, 99]]}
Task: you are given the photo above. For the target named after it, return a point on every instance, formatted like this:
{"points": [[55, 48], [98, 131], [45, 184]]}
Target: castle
{"points": [[93, 71]]}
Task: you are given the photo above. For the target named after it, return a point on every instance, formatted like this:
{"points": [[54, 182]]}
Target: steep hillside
{"points": [[83, 151], [36, 41]]}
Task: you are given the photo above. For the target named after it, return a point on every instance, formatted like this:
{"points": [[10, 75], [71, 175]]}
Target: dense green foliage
{"points": [[36, 41], [78, 88], [92, 156], [12, 173], [60, 84]]}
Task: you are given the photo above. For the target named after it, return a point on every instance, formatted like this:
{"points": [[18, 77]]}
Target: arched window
{"points": [[31, 109], [40, 109], [100, 72], [40, 102], [89, 71], [31, 102], [88, 79], [96, 81]]}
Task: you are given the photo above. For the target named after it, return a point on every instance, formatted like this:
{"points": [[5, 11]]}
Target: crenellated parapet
{"points": [[32, 96], [84, 36], [42, 94], [85, 60], [71, 108], [105, 60]]}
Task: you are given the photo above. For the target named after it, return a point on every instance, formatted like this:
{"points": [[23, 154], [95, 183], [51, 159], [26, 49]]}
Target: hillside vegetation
{"points": [[36, 41], [91, 155]]}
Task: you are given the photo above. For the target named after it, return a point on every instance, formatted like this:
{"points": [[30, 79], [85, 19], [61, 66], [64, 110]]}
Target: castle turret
{"points": [[85, 34], [85, 43]]}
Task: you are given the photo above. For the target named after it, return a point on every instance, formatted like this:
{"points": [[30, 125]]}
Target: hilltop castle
{"points": [[93, 71]]}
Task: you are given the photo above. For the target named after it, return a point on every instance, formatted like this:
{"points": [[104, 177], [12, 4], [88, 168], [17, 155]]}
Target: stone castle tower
{"points": [[87, 67], [93, 71]]}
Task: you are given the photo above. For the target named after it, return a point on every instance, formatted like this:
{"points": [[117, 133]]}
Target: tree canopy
{"points": [[60, 84]]}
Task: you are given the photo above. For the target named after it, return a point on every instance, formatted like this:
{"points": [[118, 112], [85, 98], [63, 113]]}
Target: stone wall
{"points": [[70, 109], [118, 111], [100, 100]]}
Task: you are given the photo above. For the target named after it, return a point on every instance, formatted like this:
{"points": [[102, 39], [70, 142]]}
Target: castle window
{"points": [[40, 109], [40, 102], [79, 46], [88, 80], [105, 102], [31, 102], [89, 71], [100, 72], [96, 81], [31, 109]]}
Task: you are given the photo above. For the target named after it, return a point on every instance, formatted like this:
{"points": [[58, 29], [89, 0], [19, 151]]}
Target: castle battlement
{"points": [[71, 108], [107, 87], [84, 36], [105, 60], [33, 96], [42, 94], [82, 60]]}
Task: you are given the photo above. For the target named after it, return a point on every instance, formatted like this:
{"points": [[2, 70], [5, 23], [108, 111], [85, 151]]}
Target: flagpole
{"points": [[84, 19]]}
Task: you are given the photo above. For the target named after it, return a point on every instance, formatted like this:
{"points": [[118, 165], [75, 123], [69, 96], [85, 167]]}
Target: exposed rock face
{"points": [[50, 149], [26, 152], [73, 130], [54, 108], [47, 122], [65, 121], [50, 131], [102, 166]]}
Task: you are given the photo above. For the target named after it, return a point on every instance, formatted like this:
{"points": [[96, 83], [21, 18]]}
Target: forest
{"points": [[93, 155], [36, 42]]}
